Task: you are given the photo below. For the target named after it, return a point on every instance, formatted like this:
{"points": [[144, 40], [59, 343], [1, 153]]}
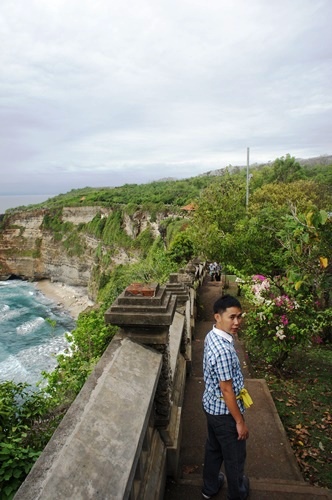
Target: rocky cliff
{"points": [[31, 251]]}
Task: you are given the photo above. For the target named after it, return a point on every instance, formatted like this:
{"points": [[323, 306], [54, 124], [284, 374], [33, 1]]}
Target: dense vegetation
{"points": [[279, 244], [154, 195]]}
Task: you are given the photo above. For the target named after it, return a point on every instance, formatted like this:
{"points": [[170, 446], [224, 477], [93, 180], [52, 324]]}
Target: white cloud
{"points": [[108, 92]]}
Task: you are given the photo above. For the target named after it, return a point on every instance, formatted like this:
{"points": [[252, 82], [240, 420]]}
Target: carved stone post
{"points": [[180, 289], [145, 313]]}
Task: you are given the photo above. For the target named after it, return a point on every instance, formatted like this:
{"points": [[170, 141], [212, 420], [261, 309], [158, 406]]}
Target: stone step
{"points": [[260, 489]]}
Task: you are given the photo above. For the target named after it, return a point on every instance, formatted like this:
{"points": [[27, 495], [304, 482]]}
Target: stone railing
{"points": [[121, 436]]}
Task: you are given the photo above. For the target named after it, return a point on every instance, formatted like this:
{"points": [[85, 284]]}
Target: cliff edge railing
{"points": [[121, 437]]}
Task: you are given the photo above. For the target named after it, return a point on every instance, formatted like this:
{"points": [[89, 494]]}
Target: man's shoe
{"points": [[246, 484], [221, 479]]}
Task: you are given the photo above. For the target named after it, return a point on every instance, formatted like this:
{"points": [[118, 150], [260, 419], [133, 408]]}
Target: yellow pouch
{"points": [[245, 396]]}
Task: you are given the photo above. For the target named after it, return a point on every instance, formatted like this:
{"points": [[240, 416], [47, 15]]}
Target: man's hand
{"points": [[230, 400], [242, 430]]}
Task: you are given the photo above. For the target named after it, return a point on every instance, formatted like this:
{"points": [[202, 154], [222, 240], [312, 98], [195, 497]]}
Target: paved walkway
{"points": [[271, 464]]}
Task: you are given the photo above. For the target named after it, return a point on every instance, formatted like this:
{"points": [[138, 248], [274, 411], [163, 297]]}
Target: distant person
{"points": [[218, 272], [212, 271], [224, 402]]}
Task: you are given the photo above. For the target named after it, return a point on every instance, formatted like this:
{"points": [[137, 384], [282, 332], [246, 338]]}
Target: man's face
{"points": [[230, 320]]}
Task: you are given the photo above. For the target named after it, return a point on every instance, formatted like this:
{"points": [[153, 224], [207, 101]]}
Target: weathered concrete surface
{"points": [[141, 311], [94, 452], [175, 336], [269, 454]]}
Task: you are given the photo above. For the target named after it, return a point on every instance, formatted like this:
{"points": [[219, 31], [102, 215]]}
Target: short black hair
{"points": [[224, 303]]}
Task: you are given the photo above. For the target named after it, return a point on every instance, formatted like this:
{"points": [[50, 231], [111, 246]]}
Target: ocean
{"points": [[28, 342], [13, 201]]}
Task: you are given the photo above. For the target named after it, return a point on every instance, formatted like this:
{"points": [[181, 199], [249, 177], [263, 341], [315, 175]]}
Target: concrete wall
{"points": [[96, 450]]}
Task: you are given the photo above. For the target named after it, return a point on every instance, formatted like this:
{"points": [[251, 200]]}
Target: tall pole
{"points": [[247, 193]]}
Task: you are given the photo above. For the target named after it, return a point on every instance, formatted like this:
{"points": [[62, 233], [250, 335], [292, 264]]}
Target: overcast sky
{"points": [[107, 92]]}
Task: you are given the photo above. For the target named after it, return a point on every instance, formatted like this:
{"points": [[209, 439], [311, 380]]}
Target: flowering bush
{"points": [[278, 320]]}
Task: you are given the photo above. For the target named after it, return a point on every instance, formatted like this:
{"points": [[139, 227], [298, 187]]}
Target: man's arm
{"points": [[230, 400]]}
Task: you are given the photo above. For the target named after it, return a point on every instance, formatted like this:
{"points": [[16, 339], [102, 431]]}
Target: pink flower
{"points": [[284, 300], [259, 277], [284, 320]]}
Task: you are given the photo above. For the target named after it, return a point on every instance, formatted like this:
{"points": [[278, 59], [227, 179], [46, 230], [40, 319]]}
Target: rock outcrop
{"points": [[29, 249], [30, 252]]}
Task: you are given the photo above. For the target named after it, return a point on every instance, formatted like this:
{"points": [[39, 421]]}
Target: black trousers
{"points": [[223, 447]]}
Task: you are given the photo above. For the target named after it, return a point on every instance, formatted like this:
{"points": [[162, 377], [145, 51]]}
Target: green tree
{"points": [[306, 242], [280, 196], [252, 245], [220, 207], [181, 249], [287, 169]]}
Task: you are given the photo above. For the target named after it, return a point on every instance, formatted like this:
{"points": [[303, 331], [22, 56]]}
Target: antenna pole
{"points": [[247, 192]]}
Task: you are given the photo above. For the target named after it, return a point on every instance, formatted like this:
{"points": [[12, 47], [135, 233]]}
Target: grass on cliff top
{"points": [[302, 393], [175, 193]]}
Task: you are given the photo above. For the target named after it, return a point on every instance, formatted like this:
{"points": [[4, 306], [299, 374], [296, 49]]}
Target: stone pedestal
{"points": [[145, 313], [177, 287]]}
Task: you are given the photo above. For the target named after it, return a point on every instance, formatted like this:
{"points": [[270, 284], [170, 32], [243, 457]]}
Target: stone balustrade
{"points": [[121, 436]]}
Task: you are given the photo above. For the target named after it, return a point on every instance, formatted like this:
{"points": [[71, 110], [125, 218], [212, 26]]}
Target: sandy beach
{"points": [[73, 299]]}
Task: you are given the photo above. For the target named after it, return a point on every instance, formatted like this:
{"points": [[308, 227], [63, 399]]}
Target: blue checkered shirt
{"points": [[220, 363]]}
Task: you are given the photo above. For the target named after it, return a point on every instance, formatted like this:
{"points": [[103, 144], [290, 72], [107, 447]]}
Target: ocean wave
{"points": [[28, 344], [8, 314], [12, 369], [30, 326], [3, 352], [23, 367], [3, 309]]}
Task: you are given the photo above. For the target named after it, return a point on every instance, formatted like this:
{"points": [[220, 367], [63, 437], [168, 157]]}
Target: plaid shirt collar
{"points": [[224, 335]]}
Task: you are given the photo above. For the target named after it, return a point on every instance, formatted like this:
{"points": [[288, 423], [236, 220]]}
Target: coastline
{"points": [[71, 298]]}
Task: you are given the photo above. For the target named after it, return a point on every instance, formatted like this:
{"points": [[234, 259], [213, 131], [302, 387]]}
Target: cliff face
{"points": [[29, 251]]}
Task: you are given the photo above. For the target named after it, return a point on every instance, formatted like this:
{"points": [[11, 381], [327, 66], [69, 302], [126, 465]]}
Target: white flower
{"points": [[265, 285], [280, 333]]}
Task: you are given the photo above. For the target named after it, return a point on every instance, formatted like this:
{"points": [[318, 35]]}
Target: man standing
{"points": [[224, 402]]}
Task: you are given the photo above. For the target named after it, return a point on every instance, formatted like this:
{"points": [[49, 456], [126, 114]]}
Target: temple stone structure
{"points": [[145, 313]]}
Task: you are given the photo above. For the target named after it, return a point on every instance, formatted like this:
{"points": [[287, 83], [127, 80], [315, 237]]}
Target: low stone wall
{"points": [[121, 436], [96, 450]]}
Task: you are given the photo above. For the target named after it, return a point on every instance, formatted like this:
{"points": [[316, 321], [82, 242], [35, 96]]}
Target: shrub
{"points": [[278, 319], [21, 412], [182, 248]]}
